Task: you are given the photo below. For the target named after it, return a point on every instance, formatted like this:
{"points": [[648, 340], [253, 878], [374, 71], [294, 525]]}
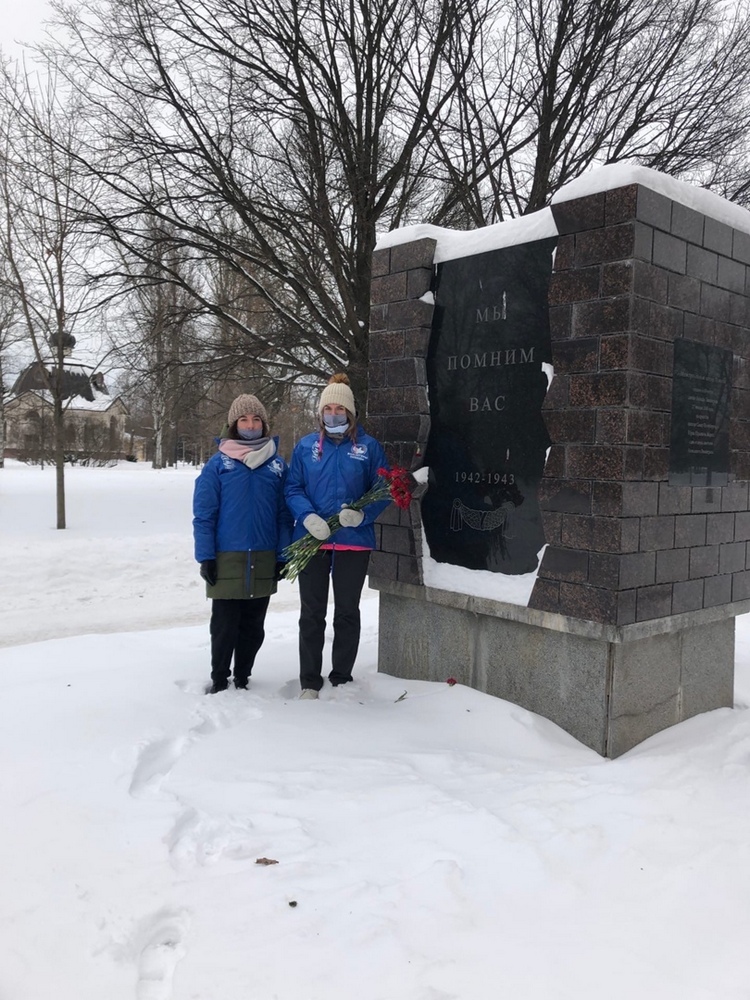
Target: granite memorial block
{"points": [[632, 465]]}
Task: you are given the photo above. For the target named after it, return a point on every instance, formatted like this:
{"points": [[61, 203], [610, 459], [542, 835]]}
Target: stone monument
{"points": [[575, 388]]}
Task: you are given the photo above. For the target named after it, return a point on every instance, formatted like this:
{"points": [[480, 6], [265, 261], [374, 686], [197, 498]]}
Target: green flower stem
{"points": [[300, 553]]}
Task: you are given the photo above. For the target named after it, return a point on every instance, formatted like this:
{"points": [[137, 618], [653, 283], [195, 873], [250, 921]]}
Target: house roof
{"points": [[77, 381]]}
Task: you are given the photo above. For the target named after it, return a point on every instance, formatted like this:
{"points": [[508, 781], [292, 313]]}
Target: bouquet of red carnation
{"points": [[393, 484]]}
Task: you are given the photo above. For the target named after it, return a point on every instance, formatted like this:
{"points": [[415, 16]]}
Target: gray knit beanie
{"points": [[247, 406]]}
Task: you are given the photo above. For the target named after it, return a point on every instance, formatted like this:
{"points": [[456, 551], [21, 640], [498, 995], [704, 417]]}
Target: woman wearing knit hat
{"points": [[329, 470], [241, 526]]}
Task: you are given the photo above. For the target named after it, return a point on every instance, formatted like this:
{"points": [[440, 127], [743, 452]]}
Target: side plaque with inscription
{"points": [[488, 442], [699, 446]]}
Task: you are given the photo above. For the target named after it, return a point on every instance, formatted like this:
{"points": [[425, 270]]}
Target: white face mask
{"points": [[336, 423], [249, 433]]}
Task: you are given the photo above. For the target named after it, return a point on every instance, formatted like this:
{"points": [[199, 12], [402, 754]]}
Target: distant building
{"points": [[94, 420]]}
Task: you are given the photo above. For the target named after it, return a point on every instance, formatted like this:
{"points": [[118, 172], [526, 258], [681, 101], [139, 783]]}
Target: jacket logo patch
{"points": [[358, 451], [227, 462], [316, 451], [277, 467]]}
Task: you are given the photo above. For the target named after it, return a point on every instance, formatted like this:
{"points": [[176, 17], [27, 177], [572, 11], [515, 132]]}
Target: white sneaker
{"points": [[308, 694]]}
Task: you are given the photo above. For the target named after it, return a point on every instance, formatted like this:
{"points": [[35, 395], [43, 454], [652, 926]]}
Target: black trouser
{"points": [[348, 569], [236, 630]]}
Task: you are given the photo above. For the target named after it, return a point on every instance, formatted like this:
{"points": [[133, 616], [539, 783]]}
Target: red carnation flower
{"points": [[400, 485]]}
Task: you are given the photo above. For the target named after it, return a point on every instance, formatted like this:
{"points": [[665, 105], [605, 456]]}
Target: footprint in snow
{"points": [[191, 687], [200, 839], [222, 711], [155, 761], [157, 758], [158, 947], [289, 690]]}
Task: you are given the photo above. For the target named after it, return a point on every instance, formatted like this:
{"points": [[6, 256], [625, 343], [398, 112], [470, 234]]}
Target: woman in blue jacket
{"points": [[329, 470], [240, 526]]}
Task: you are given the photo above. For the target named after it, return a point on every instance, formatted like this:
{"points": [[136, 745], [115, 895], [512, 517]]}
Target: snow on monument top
{"points": [[453, 243]]}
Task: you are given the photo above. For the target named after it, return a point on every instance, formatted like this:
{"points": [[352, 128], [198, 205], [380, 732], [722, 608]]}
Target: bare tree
{"points": [[160, 356], [186, 368], [9, 336], [42, 236], [561, 85], [274, 138]]}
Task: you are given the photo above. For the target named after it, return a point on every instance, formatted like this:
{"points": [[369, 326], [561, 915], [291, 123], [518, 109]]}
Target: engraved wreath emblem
{"points": [[481, 520]]}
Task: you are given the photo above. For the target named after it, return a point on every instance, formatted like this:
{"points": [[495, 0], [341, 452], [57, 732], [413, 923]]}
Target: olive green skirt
{"points": [[243, 575]]}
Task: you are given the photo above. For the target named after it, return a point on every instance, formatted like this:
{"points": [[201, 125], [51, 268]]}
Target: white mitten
{"points": [[317, 527], [349, 518]]}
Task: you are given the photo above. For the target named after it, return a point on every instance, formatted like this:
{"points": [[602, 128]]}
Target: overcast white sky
{"points": [[20, 21]]}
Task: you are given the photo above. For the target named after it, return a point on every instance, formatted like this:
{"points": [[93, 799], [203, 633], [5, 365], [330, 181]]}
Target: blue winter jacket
{"points": [[237, 509], [322, 479]]}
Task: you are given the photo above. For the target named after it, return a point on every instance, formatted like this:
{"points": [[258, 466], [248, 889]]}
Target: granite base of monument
{"points": [[611, 688]]}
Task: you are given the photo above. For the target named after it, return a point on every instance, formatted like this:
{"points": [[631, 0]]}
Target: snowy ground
{"points": [[441, 845]]}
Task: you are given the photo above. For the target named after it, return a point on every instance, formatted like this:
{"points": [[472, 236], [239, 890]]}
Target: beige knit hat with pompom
{"points": [[338, 393]]}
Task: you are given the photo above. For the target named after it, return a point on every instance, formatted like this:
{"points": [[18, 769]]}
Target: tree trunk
{"points": [[2, 417], [172, 441], [59, 461], [158, 417]]}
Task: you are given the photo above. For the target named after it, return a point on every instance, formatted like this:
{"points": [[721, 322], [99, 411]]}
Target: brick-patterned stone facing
{"points": [[634, 271], [398, 411]]}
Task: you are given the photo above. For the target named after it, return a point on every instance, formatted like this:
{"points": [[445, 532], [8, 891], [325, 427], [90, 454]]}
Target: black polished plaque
{"points": [[699, 445], [488, 442]]}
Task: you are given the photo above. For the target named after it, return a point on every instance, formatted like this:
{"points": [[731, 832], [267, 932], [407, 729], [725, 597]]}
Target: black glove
{"points": [[280, 567], [209, 572]]}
